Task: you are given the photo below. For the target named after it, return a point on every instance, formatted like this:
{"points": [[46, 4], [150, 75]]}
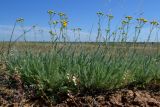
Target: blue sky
{"points": [[82, 13]]}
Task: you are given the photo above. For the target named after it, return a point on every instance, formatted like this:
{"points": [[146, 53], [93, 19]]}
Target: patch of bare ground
{"points": [[116, 98], [13, 94]]}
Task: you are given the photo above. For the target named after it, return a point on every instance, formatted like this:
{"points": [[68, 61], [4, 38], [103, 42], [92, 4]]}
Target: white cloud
{"points": [[39, 34]]}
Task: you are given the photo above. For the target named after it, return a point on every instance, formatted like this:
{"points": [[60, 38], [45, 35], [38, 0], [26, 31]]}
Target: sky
{"points": [[81, 13]]}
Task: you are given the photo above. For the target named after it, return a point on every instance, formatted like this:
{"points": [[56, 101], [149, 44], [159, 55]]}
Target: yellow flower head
{"points": [[64, 23]]}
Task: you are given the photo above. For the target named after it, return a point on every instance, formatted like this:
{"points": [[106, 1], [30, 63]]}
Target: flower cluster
{"points": [[64, 23], [72, 78], [155, 23], [142, 20]]}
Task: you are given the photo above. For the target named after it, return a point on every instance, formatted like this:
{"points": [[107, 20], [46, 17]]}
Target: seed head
{"points": [[20, 20], [55, 22], [124, 22], [52, 33], [34, 26], [145, 21], [123, 33], [61, 14], [142, 20], [113, 33], [138, 27], [79, 29], [110, 16], [50, 12], [107, 30], [120, 28], [129, 17], [154, 22], [100, 13], [74, 29]]}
